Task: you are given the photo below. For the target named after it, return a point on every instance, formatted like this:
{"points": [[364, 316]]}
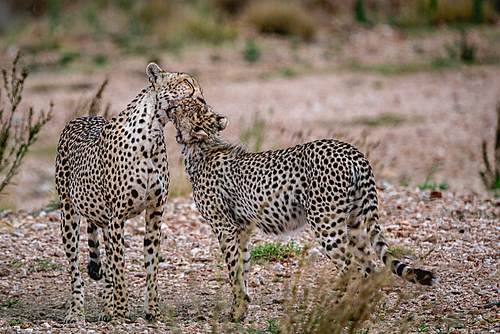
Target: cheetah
{"points": [[327, 184], [111, 171]]}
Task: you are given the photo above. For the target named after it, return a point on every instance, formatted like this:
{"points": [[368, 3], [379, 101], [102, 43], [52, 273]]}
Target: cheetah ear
{"points": [[199, 133], [153, 71], [223, 123]]}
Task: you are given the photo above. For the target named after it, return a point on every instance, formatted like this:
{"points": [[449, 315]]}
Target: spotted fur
{"points": [[111, 171], [327, 184]]}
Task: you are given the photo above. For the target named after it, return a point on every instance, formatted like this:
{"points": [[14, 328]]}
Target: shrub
{"points": [[231, 7], [283, 18], [456, 11], [359, 11], [196, 22], [251, 52], [16, 136], [467, 51], [477, 15]]}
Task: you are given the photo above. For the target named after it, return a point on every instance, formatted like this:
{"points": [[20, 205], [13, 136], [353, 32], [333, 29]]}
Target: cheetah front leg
{"points": [[234, 243], [117, 263], [70, 230], [151, 251]]}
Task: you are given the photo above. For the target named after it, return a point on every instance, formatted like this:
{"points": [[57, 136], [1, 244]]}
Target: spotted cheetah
{"points": [[111, 171], [327, 184]]}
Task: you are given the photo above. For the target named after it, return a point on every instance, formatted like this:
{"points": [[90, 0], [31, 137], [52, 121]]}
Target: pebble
{"points": [[314, 255], [38, 226], [255, 282], [278, 269]]}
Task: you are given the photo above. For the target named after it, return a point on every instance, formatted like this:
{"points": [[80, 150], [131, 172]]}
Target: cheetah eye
{"points": [[197, 129], [202, 100]]}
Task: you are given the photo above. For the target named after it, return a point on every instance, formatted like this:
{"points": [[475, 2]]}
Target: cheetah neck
{"points": [[200, 154], [142, 113]]}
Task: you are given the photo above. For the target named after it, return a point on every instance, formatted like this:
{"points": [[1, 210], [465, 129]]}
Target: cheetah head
{"points": [[196, 122], [171, 87]]}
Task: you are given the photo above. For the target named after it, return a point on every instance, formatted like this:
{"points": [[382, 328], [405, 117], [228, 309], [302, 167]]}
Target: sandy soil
{"points": [[441, 118]]}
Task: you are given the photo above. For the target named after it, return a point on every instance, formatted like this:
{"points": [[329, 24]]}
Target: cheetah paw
{"points": [[153, 313], [239, 311], [120, 319], [105, 316], [74, 316]]}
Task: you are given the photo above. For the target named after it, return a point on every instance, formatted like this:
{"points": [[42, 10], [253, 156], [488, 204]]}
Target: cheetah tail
{"points": [[413, 275]]}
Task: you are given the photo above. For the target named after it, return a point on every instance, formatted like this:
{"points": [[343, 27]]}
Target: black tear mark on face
{"points": [[192, 87]]}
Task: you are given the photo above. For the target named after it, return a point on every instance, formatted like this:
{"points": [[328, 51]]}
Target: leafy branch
{"points": [[17, 134]]}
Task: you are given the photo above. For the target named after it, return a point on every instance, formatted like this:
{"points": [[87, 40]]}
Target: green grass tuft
{"points": [[433, 185], [381, 120], [251, 52], [274, 252]]}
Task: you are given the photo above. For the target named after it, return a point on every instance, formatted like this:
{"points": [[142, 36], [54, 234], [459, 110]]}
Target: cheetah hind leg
{"points": [[94, 267], [107, 284]]}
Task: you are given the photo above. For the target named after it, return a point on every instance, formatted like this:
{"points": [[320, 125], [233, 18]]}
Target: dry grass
{"points": [[282, 18], [453, 11], [331, 304]]}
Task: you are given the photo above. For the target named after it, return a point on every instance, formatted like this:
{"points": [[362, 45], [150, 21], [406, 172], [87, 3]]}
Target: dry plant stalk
{"points": [[17, 134], [491, 176], [92, 107], [95, 103]]}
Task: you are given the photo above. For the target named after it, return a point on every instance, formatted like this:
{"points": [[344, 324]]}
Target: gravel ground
{"points": [[456, 232]]}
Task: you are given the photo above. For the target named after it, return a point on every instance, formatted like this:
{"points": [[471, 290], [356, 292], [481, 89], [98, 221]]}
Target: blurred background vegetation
{"points": [[141, 26]]}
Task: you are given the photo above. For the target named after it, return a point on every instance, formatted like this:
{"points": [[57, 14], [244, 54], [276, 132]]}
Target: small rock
{"points": [[195, 251], [22, 274], [141, 321], [38, 226], [254, 307], [314, 255], [4, 213], [55, 215], [384, 185], [436, 194], [278, 269], [255, 282], [4, 272]]}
